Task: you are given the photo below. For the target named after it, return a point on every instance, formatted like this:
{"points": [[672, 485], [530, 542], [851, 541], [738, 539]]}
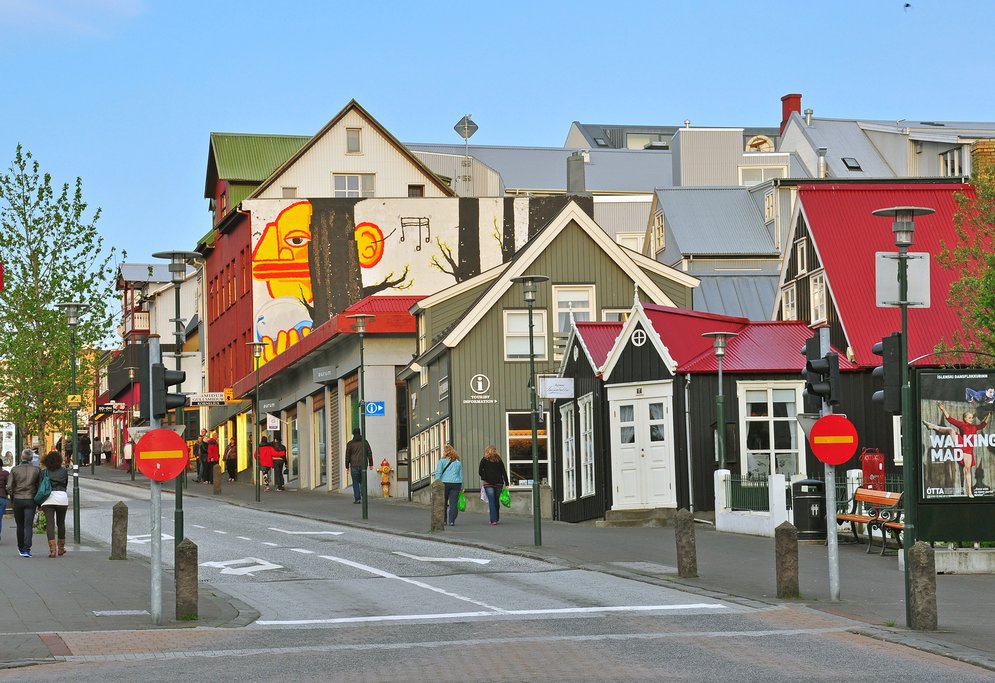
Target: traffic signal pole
{"points": [[909, 464], [155, 507], [832, 541]]}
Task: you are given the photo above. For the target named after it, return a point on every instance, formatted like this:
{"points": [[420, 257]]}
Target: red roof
{"points": [[762, 346], [846, 236], [599, 339], [391, 314]]}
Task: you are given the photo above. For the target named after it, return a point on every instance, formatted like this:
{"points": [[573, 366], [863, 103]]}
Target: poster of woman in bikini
{"points": [[957, 435]]}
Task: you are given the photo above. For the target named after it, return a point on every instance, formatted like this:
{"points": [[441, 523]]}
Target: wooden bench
{"points": [[878, 510]]}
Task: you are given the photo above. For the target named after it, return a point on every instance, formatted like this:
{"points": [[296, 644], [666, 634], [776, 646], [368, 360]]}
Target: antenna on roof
{"points": [[465, 127]]}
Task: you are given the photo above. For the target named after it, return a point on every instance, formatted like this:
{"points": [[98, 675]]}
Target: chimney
{"points": [[823, 172], [982, 157], [808, 117], [576, 183], [790, 103]]}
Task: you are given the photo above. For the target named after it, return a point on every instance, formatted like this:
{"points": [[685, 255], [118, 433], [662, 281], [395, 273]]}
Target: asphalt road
{"points": [[346, 604]]}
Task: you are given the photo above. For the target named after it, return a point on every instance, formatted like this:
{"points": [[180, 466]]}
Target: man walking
{"points": [[22, 485], [200, 453], [354, 452]]}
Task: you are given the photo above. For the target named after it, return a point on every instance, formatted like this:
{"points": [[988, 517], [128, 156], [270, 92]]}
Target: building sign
{"points": [[480, 390], [272, 422], [324, 375], [956, 411], [375, 409], [8, 444], [556, 387], [207, 398]]}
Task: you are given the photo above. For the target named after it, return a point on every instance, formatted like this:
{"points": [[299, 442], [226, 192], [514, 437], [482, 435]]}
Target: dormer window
{"points": [[353, 141]]}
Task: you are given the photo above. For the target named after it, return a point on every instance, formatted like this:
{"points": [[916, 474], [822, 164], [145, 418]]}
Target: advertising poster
{"points": [[957, 435], [8, 445]]}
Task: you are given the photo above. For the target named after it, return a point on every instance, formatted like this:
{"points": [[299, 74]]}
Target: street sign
{"points": [[375, 409], [207, 398], [161, 454], [886, 279], [74, 400], [833, 439], [229, 394]]}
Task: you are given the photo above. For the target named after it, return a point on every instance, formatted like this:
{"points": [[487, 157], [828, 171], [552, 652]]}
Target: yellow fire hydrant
{"points": [[385, 469]]}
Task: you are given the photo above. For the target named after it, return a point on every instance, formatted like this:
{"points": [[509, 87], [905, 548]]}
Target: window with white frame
{"points": [[658, 231], [615, 314], [353, 141], [950, 162], [422, 376], [769, 429], [353, 184], [585, 407], [569, 451], [754, 175], [769, 206], [289, 192], [817, 285], [631, 240], [422, 334], [516, 335], [801, 257], [520, 448], [425, 449], [789, 303], [444, 388], [576, 300]]}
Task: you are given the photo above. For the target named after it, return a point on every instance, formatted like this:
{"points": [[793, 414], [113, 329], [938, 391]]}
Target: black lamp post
{"points": [[131, 413], [904, 229], [719, 340], [529, 283], [360, 326], [257, 353], [72, 310], [178, 261]]}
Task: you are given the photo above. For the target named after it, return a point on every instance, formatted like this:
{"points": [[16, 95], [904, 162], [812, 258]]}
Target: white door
{"points": [[642, 445]]}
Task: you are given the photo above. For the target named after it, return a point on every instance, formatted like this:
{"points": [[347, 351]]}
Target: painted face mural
{"points": [[280, 261]]}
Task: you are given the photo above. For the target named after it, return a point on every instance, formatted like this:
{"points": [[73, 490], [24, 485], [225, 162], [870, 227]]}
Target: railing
{"points": [[137, 322], [748, 494]]}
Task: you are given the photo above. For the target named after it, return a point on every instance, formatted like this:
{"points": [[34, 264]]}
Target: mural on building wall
{"points": [[313, 258]]}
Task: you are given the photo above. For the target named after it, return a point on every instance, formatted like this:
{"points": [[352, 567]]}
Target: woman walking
{"points": [[56, 504], [450, 472], [279, 462], [493, 477], [231, 460]]}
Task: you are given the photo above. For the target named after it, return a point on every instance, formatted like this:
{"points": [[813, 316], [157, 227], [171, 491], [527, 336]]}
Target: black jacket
{"points": [[492, 472]]}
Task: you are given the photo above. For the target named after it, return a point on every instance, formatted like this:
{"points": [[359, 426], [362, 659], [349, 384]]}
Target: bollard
{"points": [[687, 550], [922, 592], [438, 506], [216, 472], [119, 532], [786, 560], [187, 586]]}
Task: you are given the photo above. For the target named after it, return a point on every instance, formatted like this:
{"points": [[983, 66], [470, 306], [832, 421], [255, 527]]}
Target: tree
{"points": [[51, 252], [973, 256]]}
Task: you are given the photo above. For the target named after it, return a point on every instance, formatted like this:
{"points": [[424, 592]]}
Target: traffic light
{"points": [[890, 350], [811, 352], [825, 372], [163, 402]]}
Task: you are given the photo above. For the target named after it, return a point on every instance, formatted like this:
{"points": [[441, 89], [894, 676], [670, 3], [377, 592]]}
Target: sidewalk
{"points": [[729, 565]]}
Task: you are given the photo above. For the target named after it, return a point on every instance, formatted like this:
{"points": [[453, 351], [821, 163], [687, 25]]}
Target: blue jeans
{"points": [[357, 482], [452, 501], [493, 502]]}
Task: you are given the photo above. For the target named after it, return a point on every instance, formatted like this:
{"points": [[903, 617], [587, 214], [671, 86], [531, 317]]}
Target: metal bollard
{"points": [[687, 549], [438, 506], [922, 577], [119, 532], [786, 560], [187, 586]]}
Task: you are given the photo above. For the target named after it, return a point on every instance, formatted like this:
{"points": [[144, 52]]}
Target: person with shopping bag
{"points": [[493, 478], [450, 472]]}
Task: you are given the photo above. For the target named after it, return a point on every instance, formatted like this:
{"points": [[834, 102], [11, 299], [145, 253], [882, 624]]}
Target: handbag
{"points": [[483, 494], [506, 498], [44, 488], [461, 502]]}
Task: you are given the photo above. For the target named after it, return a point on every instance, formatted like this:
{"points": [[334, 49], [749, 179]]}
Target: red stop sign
{"points": [[161, 454], [833, 439]]}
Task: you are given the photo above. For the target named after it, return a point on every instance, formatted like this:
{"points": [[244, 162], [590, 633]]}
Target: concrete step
{"points": [[637, 518]]}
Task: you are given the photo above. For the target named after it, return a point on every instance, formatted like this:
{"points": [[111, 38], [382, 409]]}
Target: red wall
{"points": [[229, 305]]}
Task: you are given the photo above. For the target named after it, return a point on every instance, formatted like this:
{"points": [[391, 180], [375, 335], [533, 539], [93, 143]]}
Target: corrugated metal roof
{"points": [[599, 339], [846, 237], [391, 314], [746, 295], [615, 134], [847, 139], [247, 157], [545, 168], [680, 330], [715, 220]]}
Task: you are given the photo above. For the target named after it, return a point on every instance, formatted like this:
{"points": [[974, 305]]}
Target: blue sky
{"points": [[124, 93]]}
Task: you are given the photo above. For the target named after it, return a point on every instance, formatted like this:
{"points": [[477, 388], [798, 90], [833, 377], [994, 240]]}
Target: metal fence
{"points": [[747, 494]]}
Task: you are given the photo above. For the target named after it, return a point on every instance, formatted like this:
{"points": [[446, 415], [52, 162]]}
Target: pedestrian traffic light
{"points": [[163, 402], [825, 372], [890, 350]]}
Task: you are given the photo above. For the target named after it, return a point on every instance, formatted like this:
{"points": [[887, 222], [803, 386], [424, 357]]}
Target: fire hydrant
{"points": [[385, 469]]}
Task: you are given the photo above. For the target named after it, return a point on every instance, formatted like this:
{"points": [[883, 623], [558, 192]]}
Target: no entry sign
{"points": [[833, 439], [161, 454]]}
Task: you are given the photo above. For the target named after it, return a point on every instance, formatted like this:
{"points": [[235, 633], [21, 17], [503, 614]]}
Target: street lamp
{"points": [[719, 340], [257, 353], [529, 283], [72, 310], [904, 229], [178, 261], [131, 414], [360, 327]]}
